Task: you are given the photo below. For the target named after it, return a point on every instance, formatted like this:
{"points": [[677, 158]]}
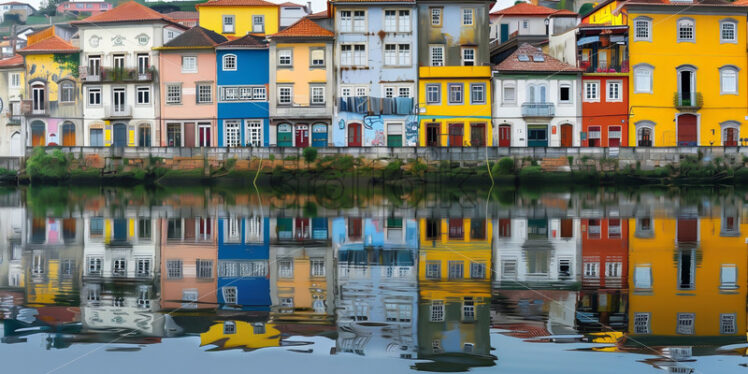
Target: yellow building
{"points": [[241, 334], [688, 69], [687, 279], [236, 18]]}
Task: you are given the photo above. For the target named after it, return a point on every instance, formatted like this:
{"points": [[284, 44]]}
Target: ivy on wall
{"points": [[68, 61]]}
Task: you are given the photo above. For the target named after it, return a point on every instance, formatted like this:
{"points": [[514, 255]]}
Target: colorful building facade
{"points": [[243, 253], [234, 19]]}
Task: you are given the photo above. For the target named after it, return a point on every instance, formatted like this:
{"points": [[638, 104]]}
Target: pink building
{"points": [[93, 7], [188, 87]]}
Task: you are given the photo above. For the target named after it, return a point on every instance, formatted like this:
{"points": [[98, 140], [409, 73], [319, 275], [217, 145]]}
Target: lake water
{"points": [[369, 279]]}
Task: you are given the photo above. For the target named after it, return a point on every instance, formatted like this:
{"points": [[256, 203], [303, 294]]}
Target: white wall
{"points": [[535, 25]]}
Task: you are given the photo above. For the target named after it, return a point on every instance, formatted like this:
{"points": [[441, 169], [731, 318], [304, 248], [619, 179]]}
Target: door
{"points": [[614, 136], [504, 30], [68, 134], [119, 137], [302, 136], [97, 138], [37, 134], [203, 131], [505, 136], [144, 136], [38, 98], [284, 135], [567, 135], [686, 87], [730, 137], [319, 135], [455, 134], [537, 136], [478, 134], [189, 134], [644, 137], [394, 134], [119, 100], [687, 130], [354, 135], [432, 135]]}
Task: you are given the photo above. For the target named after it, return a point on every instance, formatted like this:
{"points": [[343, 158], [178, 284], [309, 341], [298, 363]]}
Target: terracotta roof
{"points": [[182, 15], [196, 37], [52, 44], [10, 62], [248, 40], [683, 3], [527, 9], [304, 28], [323, 14], [548, 63], [127, 12], [236, 3], [290, 4]]}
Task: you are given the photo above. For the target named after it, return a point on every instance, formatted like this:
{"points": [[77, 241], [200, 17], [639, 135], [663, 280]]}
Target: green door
{"points": [[394, 135], [285, 136]]}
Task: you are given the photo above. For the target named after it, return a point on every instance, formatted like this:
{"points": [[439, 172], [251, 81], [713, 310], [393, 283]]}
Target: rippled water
{"points": [[370, 279]]}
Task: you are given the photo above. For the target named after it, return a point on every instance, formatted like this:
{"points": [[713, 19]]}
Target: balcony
{"points": [[688, 102], [538, 110], [118, 111], [590, 67], [119, 75], [376, 105]]}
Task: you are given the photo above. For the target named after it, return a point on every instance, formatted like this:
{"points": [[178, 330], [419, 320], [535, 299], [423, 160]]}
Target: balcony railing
{"points": [[690, 101], [590, 67], [119, 111], [376, 105], [119, 75], [538, 110]]}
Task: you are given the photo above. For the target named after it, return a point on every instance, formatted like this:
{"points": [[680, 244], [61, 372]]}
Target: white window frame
{"points": [[438, 87], [436, 13], [432, 48], [682, 26], [729, 69], [571, 92], [199, 94], [647, 23], [146, 89], [228, 57], [253, 134], [643, 68], [399, 58], [437, 311], [281, 90], [232, 139], [174, 98], [226, 292], [463, 57], [588, 98], [97, 91], [734, 24], [642, 317], [643, 277], [472, 100], [685, 323], [231, 29], [504, 86], [321, 94], [731, 318], [285, 53], [189, 67], [608, 86], [463, 16], [261, 23]]}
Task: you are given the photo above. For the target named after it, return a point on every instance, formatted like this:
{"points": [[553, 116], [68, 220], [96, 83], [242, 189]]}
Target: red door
{"points": [[505, 136], [687, 130], [455, 135], [354, 135], [303, 231], [731, 140], [614, 136], [302, 136], [566, 135]]}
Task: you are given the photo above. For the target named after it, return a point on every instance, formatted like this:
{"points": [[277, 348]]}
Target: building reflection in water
{"points": [[426, 289]]}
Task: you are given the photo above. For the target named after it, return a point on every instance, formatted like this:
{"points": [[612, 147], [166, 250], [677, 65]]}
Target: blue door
{"points": [[119, 138], [504, 32], [319, 135]]}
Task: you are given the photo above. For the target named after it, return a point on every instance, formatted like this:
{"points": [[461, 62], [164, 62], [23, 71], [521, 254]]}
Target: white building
{"points": [[292, 12], [537, 101], [12, 128], [12, 240], [120, 83]]}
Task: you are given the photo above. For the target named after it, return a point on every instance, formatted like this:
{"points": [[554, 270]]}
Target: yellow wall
{"points": [[211, 17], [301, 74], [243, 338], [606, 16], [44, 67], [707, 301], [707, 54], [445, 113]]}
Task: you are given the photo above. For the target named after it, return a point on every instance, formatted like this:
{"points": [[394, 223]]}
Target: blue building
{"points": [[243, 77], [376, 57], [243, 253]]}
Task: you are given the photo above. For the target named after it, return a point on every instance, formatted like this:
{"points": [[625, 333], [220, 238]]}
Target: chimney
{"points": [[309, 7]]}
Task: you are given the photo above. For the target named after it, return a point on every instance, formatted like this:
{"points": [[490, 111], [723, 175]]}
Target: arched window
{"points": [[38, 97], [728, 31], [229, 62], [643, 29], [68, 134], [686, 30], [67, 91], [730, 133], [728, 80], [643, 75], [645, 133]]}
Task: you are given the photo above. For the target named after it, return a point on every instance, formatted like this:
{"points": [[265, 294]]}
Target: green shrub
{"points": [[7, 173], [42, 165], [531, 172], [310, 154], [271, 157], [343, 163], [418, 167], [505, 166], [230, 163], [393, 169]]}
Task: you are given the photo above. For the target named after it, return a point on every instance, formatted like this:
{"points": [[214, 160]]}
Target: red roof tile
{"points": [[527, 9], [304, 28], [127, 12], [236, 3], [9, 62], [182, 15], [321, 15], [249, 40], [548, 63], [52, 44]]}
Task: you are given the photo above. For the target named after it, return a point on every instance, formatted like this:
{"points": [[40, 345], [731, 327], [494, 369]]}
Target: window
{"points": [[468, 56], [455, 93], [230, 295], [318, 57], [591, 269], [189, 64], [509, 94], [643, 79], [143, 267], [359, 21], [641, 323], [397, 54], [564, 93], [433, 93], [728, 31], [643, 29], [254, 133], [727, 324], [15, 80], [204, 93], [613, 91], [94, 265], [243, 93], [728, 277], [390, 20], [204, 269], [258, 24], [433, 270], [613, 269], [191, 298], [353, 55], [728, 78], [229, 62], [643, 277], [592, 91], [525, 24], [285, 268], [232, 133], [284, 95], [229, 327], [228, 25], [437, 311], [67, 92], [94, 96], [477, 270], [318, 95], [174, 269], [467, 17], [144, 229], [477, 93], [685, 323], [436, 16], [686, 30], [455, 270], [346, 21], [437, 55], [318, 267], [144, 95], [143, 64], [174, 93], [285, 57]]}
